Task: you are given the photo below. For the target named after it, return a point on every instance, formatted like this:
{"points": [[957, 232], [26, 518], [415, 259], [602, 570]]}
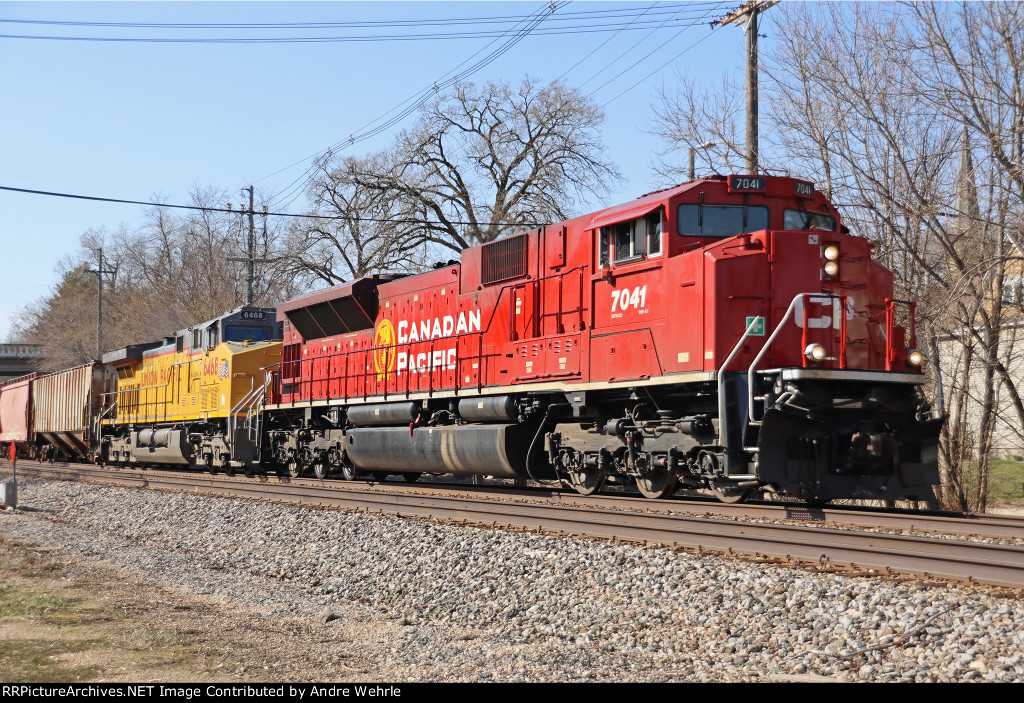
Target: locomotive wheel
{"points": [[656, 484], [322, 470], [249, 470], [348, 472], [411, 476], [575, 474], [585, 482], [730, 494], [294, 469]]}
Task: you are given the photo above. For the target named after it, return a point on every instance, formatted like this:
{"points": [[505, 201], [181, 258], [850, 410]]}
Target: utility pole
{"points": [[99, 271], [747, 14], [250, 253]]}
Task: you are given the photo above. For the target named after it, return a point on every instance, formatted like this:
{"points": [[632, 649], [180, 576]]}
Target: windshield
{"points": [[720, 220], [241, 333], [800, 220]]}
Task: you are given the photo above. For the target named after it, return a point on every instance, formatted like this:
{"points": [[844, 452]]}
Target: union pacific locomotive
{"points": [[727, 333]]}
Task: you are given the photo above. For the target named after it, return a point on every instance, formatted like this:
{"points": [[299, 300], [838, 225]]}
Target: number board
{"points": [[746, 184], [253, 315], [803, 189]]}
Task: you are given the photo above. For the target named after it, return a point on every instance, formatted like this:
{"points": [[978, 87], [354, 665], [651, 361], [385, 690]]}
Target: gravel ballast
{"points": [[448, 603]]}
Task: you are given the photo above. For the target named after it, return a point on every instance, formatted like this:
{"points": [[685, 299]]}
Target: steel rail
{"points": [[995, 526], [974, 562]]}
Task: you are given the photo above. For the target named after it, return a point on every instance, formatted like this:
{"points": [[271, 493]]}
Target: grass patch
{"points": [[37, 661], [38, 606], [1005, 479]]}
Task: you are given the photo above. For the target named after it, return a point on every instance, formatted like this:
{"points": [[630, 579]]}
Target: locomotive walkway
{"points": [[795, 534]]}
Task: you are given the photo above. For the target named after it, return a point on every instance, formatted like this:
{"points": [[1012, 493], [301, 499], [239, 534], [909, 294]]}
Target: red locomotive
{"points": [[727, 333]]}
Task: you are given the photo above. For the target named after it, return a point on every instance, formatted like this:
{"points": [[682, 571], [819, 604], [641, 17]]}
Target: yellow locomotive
{"points": [[194, 398]]}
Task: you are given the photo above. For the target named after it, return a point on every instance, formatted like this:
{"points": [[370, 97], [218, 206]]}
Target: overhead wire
{"points": [[293, 190], [569, 16], [237, 211], [413, 103], [651, 53], [524, 26]]}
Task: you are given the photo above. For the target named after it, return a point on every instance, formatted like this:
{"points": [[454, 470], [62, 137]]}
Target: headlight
{"points": [[915, 357], [831, 252], [814, 352], [831, 268]]}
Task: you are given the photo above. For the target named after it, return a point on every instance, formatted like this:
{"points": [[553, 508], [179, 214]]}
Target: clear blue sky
{"points": [[137, 120]]}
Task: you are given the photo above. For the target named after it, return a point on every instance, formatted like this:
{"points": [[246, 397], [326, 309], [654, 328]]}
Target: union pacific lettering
{"points": [[153, 377], [426, 330]]}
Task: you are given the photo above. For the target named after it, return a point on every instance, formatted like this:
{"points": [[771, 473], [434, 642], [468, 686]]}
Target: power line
{"points": [[648, 55], [659, 68], [413, 103], [265, 213], [611, 23], [492, 19]]}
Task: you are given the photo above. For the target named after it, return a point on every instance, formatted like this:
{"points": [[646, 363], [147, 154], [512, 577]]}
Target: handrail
{"points": [[778, 328], [235, 410], [721, 381]]}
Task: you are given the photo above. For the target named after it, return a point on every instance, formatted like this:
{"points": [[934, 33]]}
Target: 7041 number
{"points": [[629, 298]]}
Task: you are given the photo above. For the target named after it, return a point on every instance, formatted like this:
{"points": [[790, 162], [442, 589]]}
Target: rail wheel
{"points": [[411, 476], [656, 484], [730, 494], [348, 471], [249, 469], [322, 469], [575, 473], [294, 468]]}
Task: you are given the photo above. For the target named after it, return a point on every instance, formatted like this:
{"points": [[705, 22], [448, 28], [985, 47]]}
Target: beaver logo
{"points": [[384, 339]]}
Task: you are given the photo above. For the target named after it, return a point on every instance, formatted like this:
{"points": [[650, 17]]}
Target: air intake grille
{"points": [[504, 259]]}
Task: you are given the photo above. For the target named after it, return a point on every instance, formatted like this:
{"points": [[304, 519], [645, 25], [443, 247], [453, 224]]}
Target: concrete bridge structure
{"points": [[19, 359]]}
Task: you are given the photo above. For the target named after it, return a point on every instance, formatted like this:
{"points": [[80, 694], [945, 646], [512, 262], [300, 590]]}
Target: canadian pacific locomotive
{"points": [[727, 333]]}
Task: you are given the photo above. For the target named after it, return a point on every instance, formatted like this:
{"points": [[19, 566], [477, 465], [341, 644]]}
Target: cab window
{"points": [[635, 239], [801, 220], [696, 220]]}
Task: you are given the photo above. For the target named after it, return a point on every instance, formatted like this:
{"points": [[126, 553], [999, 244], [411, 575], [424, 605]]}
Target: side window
{"points": [[631, 240], [697, 220], [654, 233], [211, 337]]}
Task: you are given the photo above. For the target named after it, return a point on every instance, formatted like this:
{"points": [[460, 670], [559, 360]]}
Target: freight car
{"points": [[727, 333], [46, 413]]}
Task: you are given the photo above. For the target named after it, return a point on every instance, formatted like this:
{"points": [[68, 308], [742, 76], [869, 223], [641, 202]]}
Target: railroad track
{"points": [[805, 536]]}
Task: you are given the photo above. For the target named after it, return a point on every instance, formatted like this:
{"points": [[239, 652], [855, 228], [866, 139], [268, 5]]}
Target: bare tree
{"points": [[693, 117], [353, 230], [483, 162], [172, 272], [912, 118]]}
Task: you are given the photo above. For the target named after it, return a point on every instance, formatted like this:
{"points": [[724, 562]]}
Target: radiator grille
{"points": [[504, 259]]}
